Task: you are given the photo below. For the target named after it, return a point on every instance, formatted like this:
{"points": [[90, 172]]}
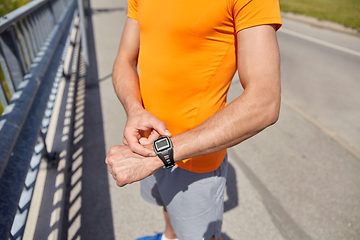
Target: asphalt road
{"points": [[305, 170], [297, 180]]}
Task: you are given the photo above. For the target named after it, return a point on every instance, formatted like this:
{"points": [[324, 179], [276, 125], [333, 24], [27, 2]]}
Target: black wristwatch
{"points": [[164, 149]]}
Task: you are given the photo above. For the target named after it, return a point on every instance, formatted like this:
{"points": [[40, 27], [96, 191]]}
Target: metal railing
{"points": [[32, 45], [22, 34]]}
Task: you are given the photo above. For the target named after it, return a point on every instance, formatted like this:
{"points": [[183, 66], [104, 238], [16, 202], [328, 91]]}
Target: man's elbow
{"points": [[273, 111]]}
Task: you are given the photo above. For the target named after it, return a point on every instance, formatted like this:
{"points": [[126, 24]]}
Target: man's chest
{"points": [[186, 18]]}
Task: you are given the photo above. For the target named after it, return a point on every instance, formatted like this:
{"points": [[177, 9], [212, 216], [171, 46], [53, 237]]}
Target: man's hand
{"points": [[127, 167], [139, 124]]}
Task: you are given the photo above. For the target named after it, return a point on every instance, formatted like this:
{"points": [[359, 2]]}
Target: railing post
{"points": [[51, 13], [23, 44], [84, 45], [35, 15], [13, 56], [28, 39], [17, 51], [33, 34], [3, 98], [6, 72]]}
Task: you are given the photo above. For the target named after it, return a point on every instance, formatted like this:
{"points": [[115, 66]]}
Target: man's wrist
{"points": [[156, 158], [155, 162], [132, 106]]}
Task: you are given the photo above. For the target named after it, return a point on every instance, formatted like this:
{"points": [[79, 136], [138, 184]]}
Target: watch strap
{"points": [[167, 157]]}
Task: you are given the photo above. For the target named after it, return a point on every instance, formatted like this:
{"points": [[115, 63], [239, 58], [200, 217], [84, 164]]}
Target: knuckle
{"points": [[126, 130], [121, 180], [110, 160], [113, 150], [160, 124]]}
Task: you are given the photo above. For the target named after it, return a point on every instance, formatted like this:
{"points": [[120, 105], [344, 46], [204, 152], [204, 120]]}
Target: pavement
{"points": [[296, 180]]}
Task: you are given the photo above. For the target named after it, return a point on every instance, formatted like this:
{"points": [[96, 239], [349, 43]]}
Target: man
{"points": [[187, 53]]}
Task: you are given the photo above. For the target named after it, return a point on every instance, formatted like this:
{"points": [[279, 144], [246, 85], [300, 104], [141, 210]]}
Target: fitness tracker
{"points": [[164, 149]]}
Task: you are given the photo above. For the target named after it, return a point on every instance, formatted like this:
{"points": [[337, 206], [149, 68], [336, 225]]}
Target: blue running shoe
{"points": [[156, 237]]}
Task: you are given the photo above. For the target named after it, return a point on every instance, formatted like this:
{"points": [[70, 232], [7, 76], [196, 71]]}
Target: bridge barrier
{"points": [[34, 48]]}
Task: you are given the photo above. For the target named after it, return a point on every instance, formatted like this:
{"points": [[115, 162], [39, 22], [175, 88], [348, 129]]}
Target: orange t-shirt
{"points": [[187, 59]]}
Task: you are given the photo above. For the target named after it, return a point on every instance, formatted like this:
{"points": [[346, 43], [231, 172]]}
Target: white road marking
{"points": [[318, 41]]}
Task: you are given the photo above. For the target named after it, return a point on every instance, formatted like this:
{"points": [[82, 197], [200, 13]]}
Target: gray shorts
{"points": [[194, 201]]}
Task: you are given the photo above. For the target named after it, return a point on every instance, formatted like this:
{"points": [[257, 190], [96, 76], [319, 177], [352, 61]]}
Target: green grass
{"points": [[5, 87], [345, 12], [1, 109], [7, 6]]}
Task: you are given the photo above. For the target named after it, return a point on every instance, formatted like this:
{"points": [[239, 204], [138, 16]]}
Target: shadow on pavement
{"points": [[225, 237], [284, 222], [88, 198], [231, 189], [88, 208], [107, 10]]}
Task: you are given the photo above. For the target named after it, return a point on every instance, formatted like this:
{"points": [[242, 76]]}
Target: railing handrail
{"points": [[16, 118]]}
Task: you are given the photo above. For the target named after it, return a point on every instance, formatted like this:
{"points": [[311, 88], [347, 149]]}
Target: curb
{"points": [[320, 23]]}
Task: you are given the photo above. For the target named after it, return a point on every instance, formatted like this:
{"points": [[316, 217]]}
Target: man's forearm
{"points": [[126, 84], [240, 120], [125, 76]]}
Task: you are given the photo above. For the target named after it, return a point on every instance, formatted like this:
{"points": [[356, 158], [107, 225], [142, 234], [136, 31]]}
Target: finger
{"points": [[153, 136], [136, 147], [143, 141], [131, 139], [148, 140], [125, 142], [109, 169], [160, 127]]}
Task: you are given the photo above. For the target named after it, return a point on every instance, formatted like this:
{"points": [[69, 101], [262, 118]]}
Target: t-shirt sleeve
{"points": [[132, 9], [250, 13]]}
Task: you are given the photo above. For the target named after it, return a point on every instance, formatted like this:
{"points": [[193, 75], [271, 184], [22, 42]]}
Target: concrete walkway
{"points": [[132, 216], [292, 181], [264, 201]]}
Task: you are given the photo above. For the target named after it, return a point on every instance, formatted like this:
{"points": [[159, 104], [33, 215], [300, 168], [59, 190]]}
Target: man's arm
{"points": [[258, 107], [125, 77], [258, 61], [126, 84]]}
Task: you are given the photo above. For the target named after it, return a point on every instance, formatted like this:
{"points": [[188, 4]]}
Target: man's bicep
{"points": [[130, 41], [258, 58]]}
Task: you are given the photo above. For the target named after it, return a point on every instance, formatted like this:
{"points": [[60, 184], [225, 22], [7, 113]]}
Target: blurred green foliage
{"points": [[345, 12], [5, 87], [7, 6]]}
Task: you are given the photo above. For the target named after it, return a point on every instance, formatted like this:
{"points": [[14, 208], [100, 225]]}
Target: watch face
{"points": [[162, 144]]}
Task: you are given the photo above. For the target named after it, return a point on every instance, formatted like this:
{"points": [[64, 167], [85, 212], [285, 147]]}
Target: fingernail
{"points": [[168, 133]]}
